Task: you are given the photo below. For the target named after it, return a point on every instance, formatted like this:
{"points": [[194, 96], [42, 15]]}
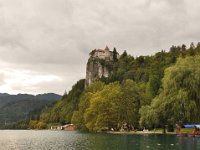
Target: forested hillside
{"points": [[144, 91], [23, 106], [63, 110]]}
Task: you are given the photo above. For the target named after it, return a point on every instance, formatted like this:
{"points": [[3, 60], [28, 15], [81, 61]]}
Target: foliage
{"points": [[88, 93], [179, 99], [26, 106], [145, 91], [109, 106], [115, 53], [37, 124], [63, 110]]}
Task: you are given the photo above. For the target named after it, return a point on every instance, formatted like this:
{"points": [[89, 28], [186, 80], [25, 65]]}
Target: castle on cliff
{"points": [[95, 69], [102, 53]]}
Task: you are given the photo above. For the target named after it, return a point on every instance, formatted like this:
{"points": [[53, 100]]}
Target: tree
{"points": [[130, 103], [111, 106], [183, 50], [192, 49], [103, 112], [115, 53], [85, 98], [149, 117], [183, 47], [179, 100], [62, 110], [180, 90], [124, 54], [192, 46]]}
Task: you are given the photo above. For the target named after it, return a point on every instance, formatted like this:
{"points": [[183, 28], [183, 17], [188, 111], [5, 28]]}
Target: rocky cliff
{"points": [[94, 71], [98, 64]]}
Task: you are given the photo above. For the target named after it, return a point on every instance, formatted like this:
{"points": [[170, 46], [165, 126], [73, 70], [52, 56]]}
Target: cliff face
{"points": [[98, 64], [95, 70]]}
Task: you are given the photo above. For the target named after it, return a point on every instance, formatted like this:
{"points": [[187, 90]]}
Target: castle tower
{"points": [[107, 49]]}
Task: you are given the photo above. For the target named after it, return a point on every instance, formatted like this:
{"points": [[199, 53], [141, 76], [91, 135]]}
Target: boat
{"points": [[195, 132]]}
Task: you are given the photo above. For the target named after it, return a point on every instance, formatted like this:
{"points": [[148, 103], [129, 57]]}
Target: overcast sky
{"points": [[44, 44]]}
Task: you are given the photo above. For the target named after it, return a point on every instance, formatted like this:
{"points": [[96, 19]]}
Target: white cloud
{"points": [[25, 80], [54, 37]]}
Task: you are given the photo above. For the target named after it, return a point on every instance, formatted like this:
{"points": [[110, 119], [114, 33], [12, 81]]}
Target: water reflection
{"points": [[61, 140]]}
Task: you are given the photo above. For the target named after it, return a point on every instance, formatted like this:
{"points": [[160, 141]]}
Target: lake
{"points": [[74, 140]]}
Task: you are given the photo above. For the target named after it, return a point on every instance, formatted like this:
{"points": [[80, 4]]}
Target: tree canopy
{"points": [[145, 91], [179, 99]]}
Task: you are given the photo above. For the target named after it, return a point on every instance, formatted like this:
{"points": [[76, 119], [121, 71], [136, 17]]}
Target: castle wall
{"points": [[102, 54]]}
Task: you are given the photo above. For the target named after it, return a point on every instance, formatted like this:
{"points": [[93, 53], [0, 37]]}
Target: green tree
{"points": [[62, 111], [179, 100], [115, 53], [130, 103], [85, 99], [103, 111]]}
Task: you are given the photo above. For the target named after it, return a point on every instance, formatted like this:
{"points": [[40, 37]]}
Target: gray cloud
{"points": [[1, 79], [55, 37]]}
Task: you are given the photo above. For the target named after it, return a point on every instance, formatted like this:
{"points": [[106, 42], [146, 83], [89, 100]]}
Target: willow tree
{"points": [[179, 99], [180, 94]]}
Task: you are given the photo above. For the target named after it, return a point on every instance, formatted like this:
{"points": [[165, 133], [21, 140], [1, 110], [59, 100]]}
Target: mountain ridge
{"points": [[18, 107]]}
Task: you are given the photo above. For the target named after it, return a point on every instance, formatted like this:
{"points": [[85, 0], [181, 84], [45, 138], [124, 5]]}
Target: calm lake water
{"points": [[73, 140]]}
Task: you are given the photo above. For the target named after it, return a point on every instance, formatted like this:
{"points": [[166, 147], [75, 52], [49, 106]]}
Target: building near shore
{"points": [[56, 127], [69, 127]]}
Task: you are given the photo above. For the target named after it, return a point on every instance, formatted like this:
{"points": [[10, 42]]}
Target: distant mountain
{"points": [[18, 107]]}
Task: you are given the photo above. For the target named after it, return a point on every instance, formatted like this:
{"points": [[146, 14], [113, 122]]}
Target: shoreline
{"points": [[140, 133]]}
